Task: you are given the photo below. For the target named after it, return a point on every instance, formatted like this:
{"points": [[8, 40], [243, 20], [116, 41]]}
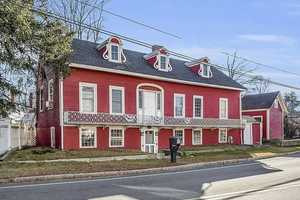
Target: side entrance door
{"points": [[248, 134]]}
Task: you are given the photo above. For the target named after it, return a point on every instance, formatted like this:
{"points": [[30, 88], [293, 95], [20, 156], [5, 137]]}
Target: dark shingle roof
{"points": [[84, 52], [259, 101]]}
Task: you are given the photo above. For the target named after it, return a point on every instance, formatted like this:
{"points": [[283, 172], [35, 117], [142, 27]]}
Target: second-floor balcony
{"points": [[79, 118]]}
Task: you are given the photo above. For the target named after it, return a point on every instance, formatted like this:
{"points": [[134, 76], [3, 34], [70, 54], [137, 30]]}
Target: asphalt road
{"points": [[252, 180]]}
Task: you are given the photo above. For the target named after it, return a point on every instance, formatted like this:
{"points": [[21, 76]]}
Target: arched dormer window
{"points": [[159, 58], [201, 67], [111, 50]]}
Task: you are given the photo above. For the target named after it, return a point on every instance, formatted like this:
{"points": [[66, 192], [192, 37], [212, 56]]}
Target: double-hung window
{"points": [[88, 97], [163, 63], [117, 102], [50, 90], [205, 70], [115, 53], [223, 108], [179, 134], [41, 99], [88, 137], [179, 105], [197, 106], [222, 135], [116, 137], [197, 137]]}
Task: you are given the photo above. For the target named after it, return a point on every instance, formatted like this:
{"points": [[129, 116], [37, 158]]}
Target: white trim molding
{"points": [[61, 111], [94, 86], [183, 106], [255, 110], [180, 129], [123, 136], [122, 89], [227, 109], [202, 106], [268, 125], [201, 133], [95, 138], [153, 77]]}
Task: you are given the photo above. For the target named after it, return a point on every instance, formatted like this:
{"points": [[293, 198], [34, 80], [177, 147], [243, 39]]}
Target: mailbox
{"points": [[174, 146]]}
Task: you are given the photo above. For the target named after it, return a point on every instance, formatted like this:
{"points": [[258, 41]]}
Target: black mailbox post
{"points": [[174, 146]]}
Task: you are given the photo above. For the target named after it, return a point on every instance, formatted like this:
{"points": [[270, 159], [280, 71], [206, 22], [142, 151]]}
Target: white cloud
{"points": [[267, 38]]}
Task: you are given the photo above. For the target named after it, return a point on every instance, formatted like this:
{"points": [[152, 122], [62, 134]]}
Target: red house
{"points": [[269, 109], [118, 98]]}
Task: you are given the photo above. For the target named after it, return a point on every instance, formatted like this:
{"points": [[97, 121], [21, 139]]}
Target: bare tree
{"points": [[260, 85], [88, 12], [239, 70]]}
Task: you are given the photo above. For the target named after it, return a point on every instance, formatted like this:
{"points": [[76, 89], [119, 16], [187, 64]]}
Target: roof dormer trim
{"points": [[157, 54], [106, 49], [201, 64]]}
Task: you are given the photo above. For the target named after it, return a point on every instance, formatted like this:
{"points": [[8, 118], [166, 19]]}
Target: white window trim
{"points": [[219, 138], [110, 52], [50, 82], [183, 109], [94, 85], [208, 71], [226, 100], [111, 87], [183, 138], [195, 97], [201, 142], [259, 116], [123, 139], [95, 140], [167, 63], [41, 106]]}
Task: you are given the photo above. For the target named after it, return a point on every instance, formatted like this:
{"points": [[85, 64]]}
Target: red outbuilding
{"points": [[119, 98], [269, 109]]}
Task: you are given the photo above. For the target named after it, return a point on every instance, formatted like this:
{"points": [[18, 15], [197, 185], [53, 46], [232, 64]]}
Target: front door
{"points": [[248, 134], [149, 140]]}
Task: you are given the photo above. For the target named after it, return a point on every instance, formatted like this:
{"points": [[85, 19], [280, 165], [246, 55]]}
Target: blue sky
{"points": [[264, 30]]}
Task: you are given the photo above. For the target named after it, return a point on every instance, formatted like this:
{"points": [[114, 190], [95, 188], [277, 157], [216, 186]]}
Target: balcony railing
{"points": [[75, 117]]}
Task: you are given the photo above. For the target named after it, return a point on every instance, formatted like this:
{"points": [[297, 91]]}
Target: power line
{"points": [[130, 20], [147, 45], [261, 64]]}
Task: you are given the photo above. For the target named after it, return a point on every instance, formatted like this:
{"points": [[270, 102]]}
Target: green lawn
{"points": [[39, 153], [195, 155]]}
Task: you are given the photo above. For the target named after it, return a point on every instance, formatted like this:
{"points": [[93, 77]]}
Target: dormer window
{"points": [[205, 70], [163, 63], [159, 58], [115, 55], [111, 50]]}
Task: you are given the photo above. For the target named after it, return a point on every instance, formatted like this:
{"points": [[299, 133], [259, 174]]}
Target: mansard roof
{"points": [[85, 53]]}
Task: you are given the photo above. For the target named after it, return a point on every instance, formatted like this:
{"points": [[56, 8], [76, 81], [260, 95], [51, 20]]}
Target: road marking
{"points": [[114, 197], [257, 190], [124, 177]]}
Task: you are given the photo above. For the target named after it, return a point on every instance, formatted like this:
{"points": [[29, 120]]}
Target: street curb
{"points": [[134, 172]]}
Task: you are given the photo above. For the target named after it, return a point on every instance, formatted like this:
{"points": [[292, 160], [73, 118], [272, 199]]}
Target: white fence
{"points": [[15, 136]]}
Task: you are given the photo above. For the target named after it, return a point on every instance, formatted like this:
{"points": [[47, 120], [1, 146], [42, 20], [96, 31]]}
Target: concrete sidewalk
{"points": [[97, 159]]}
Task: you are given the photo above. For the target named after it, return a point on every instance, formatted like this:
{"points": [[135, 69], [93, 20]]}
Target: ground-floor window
{"points": [[179, 133], [88, 137], [222, 135], [116, 137], [197, 137]]}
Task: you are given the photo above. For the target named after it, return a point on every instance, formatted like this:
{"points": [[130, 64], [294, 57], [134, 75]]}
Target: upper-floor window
{"points": [[205, 70], [223, 108], [179, 105], [115, 53], [88, 97], [116, 95], [41, 99], [50, 90], [197, 106]]}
